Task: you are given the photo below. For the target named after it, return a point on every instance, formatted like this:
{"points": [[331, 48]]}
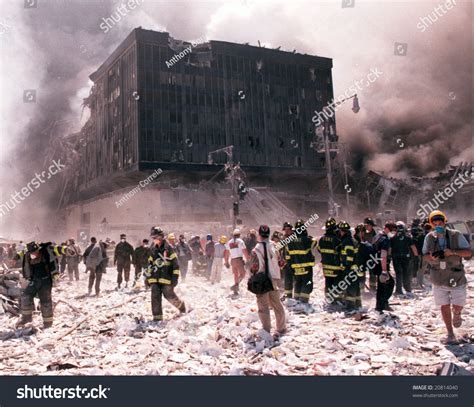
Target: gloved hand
{"points": [[55, 277], [227, 264], [174, 282], [383, 278]]}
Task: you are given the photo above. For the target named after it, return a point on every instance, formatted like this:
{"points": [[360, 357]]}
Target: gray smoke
{"points": [[415, 119]]}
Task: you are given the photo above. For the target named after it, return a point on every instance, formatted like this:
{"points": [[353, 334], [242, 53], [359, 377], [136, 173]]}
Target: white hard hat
{"points": [[236, 232]]}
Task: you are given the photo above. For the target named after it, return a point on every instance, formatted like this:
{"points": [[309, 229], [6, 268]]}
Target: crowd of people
{"points": [[279, 267]]}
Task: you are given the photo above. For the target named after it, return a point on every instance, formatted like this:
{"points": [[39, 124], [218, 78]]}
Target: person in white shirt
{"points": [[269, 262], [219, 253], [237, 253]]}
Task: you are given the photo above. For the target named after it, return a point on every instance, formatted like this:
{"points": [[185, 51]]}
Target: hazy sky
{"points": [[416, 118]]}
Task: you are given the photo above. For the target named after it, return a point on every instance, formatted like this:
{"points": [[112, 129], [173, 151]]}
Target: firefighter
{"points": [[302, 263], [162, 274], [329, 246], [39, 269], [350, 274], [122, 258], [288, 272]]}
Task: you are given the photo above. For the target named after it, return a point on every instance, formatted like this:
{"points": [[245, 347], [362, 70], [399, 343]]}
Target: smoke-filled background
{"points": [[415, 118]]}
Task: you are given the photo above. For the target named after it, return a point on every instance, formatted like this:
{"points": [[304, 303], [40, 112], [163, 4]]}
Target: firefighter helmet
{"points": [[32, 247], [156, 231], [343, 225], [171, 236], [276, 235], [437, 215], [287, 225], [299, 223], [223, 239], [330, 223]]}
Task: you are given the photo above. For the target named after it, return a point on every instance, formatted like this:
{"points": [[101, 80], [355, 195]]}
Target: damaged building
{"points": [[388, 198], [148, 115]]}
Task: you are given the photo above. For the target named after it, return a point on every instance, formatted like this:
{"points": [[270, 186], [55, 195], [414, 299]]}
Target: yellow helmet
{"points": [[223, 239], [171, 236], [437, 213]]}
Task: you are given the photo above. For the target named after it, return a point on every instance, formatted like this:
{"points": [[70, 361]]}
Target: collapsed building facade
{"points": [[162, 104]]}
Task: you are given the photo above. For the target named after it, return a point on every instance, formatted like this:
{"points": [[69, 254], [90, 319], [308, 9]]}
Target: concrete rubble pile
{"points": [[113, 335], [9, 291]]}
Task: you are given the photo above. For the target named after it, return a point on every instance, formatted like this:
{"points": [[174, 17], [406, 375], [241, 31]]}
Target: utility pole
{"points": [[332, 209], [331, 203], [231, 175]]}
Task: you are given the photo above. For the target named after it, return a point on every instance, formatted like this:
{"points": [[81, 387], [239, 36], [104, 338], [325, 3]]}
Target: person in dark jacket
{"points": [[385, 278], [39, 269], [162, 274], [93, 259], [88, 251], [140, 259], [123, 258], [403, 249], [209, 251]]}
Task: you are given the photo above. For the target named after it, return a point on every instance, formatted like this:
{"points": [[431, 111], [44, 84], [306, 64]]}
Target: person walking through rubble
{"points": [[385, 279], [209, 251], [162, 274], [349, 250], [402, 250], [285, 264], [302, 263], [368, 236], [218, 263], [88, 251], [39, 269], [93, 259], [140, 259], [122, 258], [196, 251], [184, 255], [73, 258], [238, 255], [444, 250], [264, 259], [329, 247]]}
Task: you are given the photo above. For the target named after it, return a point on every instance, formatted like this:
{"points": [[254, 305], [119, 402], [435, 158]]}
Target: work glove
{"points": [[227, 264], [383, 278]]}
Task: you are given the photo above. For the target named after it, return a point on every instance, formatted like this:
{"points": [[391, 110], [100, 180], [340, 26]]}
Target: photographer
{"points": [[444, 249]]}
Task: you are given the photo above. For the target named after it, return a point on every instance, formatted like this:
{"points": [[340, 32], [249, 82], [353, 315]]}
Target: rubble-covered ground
{"points": [[113, 335]]}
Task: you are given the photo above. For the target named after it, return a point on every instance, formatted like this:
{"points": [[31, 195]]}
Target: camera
{"points": [[438, 254]]}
